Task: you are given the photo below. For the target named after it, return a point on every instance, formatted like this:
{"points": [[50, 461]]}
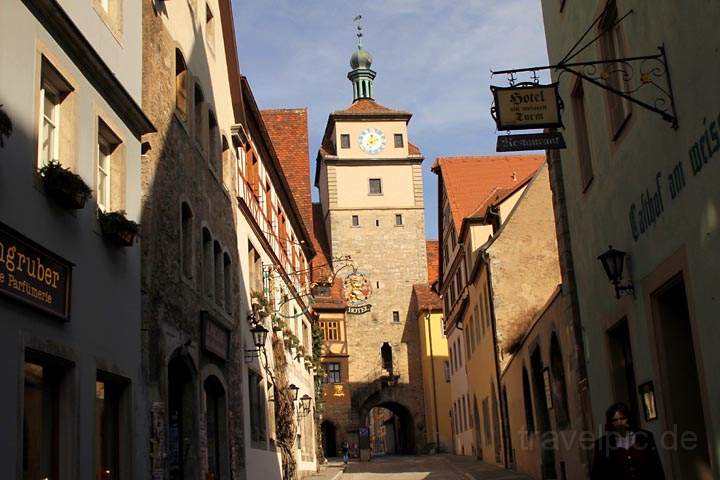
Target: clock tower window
{"points": [[344, 140], [398, 140], [375, 186]]}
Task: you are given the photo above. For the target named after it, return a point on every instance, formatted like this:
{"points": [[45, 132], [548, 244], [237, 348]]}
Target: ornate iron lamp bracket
{"points": [[625, 77], [629, 78]]}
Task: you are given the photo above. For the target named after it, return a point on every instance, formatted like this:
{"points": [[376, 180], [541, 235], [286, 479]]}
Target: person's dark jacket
{"points": [[641, 461]]}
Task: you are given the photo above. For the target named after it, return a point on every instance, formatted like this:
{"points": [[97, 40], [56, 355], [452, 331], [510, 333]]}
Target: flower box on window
{"points": [[117, 228], [65, 187]]}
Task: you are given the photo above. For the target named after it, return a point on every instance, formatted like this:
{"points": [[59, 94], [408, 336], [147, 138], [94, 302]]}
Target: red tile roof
{"points": [[321, 265], [426, 298], [433, 260], [413, 150], [470, 182], [289, 135], [367, 106]]}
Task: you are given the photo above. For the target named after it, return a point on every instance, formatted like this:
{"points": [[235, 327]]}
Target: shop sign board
{"points": [[530, 141], [34, 275], [215, 337], [527, 106]]}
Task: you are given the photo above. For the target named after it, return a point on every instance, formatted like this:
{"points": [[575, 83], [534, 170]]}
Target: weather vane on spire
{"points": [[359, 30]]}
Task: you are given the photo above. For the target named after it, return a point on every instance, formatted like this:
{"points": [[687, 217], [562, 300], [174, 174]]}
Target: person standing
{"points": [[345, 451], [624, 452]]}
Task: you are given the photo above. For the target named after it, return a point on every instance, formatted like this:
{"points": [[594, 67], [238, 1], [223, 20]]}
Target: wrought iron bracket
{"points": [[627, 77], [624, 77]]}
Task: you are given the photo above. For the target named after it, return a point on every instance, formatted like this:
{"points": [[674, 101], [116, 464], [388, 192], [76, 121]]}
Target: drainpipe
{"points": [[432, 369], [493, 323]]}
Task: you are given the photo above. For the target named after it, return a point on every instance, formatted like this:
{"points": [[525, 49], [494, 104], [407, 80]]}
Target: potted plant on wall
{"points": [[65, 187], [117, 228]]}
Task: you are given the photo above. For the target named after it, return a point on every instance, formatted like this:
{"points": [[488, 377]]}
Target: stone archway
{"points": [[399, 427]]}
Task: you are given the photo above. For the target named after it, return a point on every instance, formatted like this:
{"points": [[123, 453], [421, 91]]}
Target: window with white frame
{"points": [[107, 145], [54, 89]]}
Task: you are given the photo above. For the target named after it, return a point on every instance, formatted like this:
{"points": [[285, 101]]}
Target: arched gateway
{"points": [[392, 423]]}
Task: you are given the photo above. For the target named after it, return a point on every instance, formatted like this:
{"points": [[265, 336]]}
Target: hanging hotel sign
{"points": [[530, 141], [215, 337], [33, 275], [526, 106], [357, 291]]}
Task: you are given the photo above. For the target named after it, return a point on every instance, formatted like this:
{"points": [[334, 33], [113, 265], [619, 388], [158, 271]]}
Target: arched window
{"points": [[214, 153], [207, 262], [181, 87], [198, 124], [387, 360], [227, 277], [186, 242], [218, 272], [495, 422], [562, 415], [527, 400]]}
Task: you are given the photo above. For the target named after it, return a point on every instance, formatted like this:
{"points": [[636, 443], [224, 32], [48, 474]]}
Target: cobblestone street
{"points": [[436, 467]]}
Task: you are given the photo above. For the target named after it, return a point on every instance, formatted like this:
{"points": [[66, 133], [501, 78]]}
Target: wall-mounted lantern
{"points": [[294, 390], [647, 396], [259, 334], [613, 261], [305, 403]]}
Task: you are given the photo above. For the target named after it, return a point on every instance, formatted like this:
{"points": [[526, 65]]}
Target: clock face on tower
{"points": [[372, 140]]}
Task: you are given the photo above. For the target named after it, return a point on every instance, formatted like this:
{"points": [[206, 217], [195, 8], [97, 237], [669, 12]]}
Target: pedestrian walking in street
{"points": [[345, 451], [625, 452]]}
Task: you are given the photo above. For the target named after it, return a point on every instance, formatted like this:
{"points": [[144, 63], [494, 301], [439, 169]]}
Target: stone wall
{"points": [[175, 169], [393, 257]]}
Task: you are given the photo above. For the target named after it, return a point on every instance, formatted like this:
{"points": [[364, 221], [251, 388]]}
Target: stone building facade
{"points": [[371, 208], [646, 186], [191, 281], [70, 305], [475, 196]]}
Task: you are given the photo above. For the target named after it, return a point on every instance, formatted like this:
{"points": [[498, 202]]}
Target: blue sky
{"points": [[432, 57]]}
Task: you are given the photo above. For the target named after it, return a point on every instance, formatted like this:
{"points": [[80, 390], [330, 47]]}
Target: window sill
{"points": [[375, 194]]}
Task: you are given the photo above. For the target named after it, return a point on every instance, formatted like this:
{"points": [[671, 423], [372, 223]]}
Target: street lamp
{"points": [[294, 390], [259, 334], [305, 402], [613, 261]]}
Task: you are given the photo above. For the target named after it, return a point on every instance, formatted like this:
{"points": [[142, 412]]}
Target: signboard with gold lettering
{"points": [[526, 106], [32, 274]]}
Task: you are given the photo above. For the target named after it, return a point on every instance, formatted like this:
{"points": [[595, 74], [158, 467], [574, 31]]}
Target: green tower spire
{"points": [[361, 75]]}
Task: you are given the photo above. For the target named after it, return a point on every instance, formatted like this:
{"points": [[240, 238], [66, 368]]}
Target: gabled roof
{"points": [[473, 181], [288, 132]]}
